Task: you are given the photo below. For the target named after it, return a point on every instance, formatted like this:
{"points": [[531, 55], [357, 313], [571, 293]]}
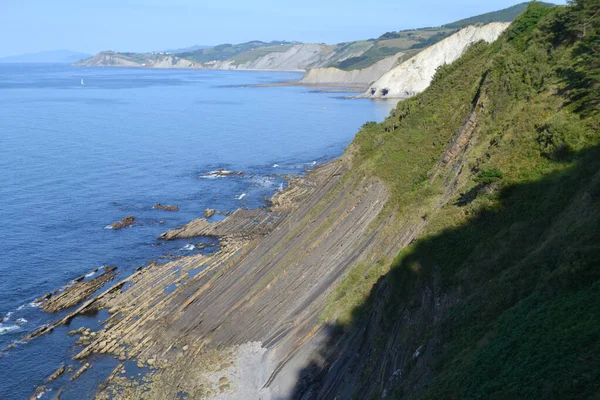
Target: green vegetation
{"points": [[226, 51], [258, 52], [506, 15], [409, 42], [515, 253], [489, 175]]}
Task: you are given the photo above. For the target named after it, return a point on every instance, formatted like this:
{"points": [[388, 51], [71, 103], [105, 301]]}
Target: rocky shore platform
{"points": [[242, 322]]}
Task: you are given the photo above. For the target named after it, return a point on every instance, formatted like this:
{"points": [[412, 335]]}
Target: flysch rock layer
{"points": [[245, 320], [269, 291], [297, 58], [359, 77], [414, 75], [267, 288]]}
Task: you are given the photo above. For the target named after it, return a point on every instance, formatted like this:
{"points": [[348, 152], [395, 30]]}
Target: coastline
{"points": [[327, 87], [229, 291]]}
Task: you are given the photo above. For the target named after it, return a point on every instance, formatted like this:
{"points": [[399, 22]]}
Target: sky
{"points": [[91, 26]]}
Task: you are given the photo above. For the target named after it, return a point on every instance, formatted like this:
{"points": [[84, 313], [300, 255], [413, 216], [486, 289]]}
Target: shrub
{"points": [[489, 175]]}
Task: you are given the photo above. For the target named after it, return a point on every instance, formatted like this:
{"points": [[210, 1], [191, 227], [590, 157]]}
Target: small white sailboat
{"points": [[82, 81]]}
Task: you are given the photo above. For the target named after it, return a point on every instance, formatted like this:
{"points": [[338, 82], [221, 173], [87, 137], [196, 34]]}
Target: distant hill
{"points": [[51, 56], [380, 54], [506, 15], [223, 52], [186, 49]]}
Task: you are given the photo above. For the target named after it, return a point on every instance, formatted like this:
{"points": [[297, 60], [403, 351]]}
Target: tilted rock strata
{"points": [[359, 77], [78, 292]]}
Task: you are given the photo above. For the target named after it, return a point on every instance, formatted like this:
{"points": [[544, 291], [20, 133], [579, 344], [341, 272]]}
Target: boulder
{"points": [[159, 206], [209, 212], [125, 222], [56, 374]]}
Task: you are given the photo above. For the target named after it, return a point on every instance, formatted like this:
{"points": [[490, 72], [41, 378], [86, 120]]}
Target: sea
{"points": [[81, 148]]}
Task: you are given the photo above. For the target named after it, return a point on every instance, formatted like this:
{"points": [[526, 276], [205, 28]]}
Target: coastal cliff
{"points": [[114, 59], [414, 75], [451, 251], [358, 77], [399, 76], [355, 63]]}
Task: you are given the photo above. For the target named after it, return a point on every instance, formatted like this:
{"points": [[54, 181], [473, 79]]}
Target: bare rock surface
{"points": [[125, 222], [159, 206], [78, 291], [359, 77], [191, 319], [56, 374], [242, 223]]}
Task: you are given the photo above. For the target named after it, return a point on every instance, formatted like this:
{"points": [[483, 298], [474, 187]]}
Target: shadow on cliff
{"points": [[501, 306]]}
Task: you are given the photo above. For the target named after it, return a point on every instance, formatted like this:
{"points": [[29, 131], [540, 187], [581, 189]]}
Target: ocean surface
{"points": [[81, 148]]}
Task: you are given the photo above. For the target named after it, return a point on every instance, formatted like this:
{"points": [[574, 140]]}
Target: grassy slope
{"points": [[227, 51], [506, 15], [519, 246]]}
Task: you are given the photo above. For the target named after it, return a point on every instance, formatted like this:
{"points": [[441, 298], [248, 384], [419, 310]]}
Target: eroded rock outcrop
{"points": [[159, 206], [125, 222], [77, 292], [359, 77], [242, 223]]}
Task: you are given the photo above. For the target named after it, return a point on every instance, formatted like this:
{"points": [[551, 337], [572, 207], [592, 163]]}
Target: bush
{"points": [[489, 175], [558, 137]]}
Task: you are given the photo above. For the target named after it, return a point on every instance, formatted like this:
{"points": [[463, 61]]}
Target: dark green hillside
{"points": [[506, 15], [499, 298]]}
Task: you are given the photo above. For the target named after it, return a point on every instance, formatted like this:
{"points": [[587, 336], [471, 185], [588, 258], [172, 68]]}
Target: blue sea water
{"points": [[76, 157]]}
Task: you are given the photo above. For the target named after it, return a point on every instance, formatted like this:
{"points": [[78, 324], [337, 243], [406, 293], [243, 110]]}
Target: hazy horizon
{"points": [[155, 25]]}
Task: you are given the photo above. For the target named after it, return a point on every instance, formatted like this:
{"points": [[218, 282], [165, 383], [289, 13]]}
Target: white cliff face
{"points": [[170, 62], [297, 58], [415, 75], [111, 59], [108, 59], [359, 77]]}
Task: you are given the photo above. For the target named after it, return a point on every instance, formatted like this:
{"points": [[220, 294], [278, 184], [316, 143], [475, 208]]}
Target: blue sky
{"points": [[145, 25]]}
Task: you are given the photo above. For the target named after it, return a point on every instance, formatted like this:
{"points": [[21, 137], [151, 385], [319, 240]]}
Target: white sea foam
{"points": [[241, 196], [265, 181], [108, 227], [90, 274], [8, 315], [275, 165], [33, 304], [8, 328], [221, 173], [21, 321], [189, 247]]}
